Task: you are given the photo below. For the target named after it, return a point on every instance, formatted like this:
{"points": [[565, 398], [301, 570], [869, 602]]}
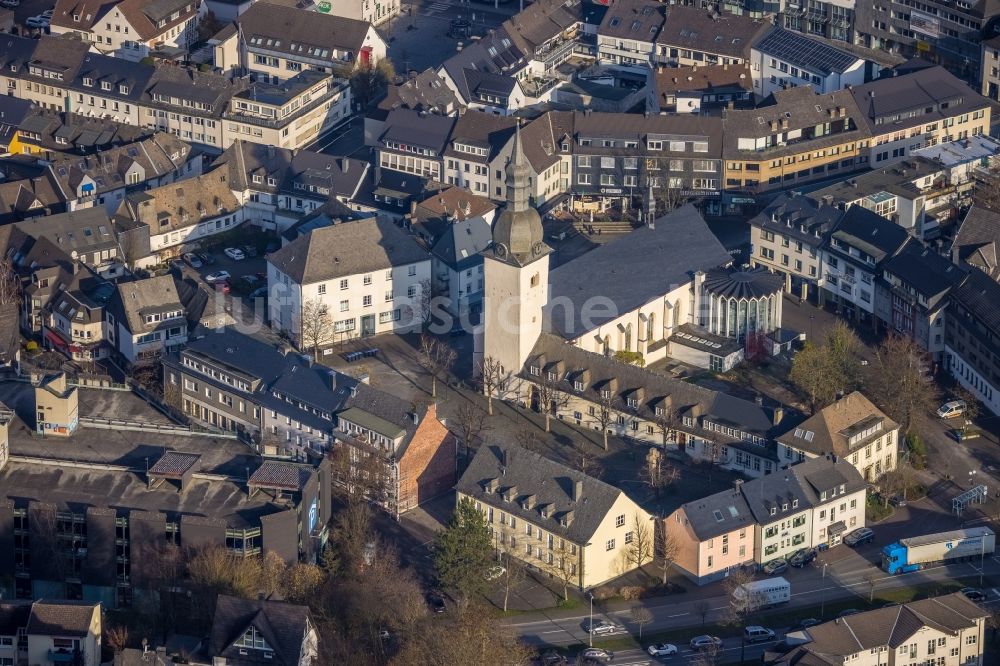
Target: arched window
{"points": [[628, 337], [650, 327], [677, 313], [607, 345]]}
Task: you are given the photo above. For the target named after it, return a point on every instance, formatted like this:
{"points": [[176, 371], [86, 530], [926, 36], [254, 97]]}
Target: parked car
{"points": [[192, 260], [234, 253], [436, 602], [250, 280], [972, 594], [757, 634], [802, 557], [208, 258], [553, 658], [706, 642], [598, 653], [661, 650], [10, 4], [897, 500], [952, 409], [775, 567], [249, 250], [859, 536], [37, 22], [963, 434], [806, 623], [217, 276], [222, 287], [48, 13], [602, 627], [259, 292]]}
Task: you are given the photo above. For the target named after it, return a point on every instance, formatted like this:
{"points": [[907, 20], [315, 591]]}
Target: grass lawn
{"points": [[876, 510]]}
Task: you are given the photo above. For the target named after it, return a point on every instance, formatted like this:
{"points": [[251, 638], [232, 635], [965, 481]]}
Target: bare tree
{"points": [[589, 464], [491, 375], [315, 326], [604, 413], [512, 576], [744, 601], [971, 406], [563, 568], [548, 398], [116, 637], [10, 283], [641, 616], [667, 549], [897, 382], [436, 358], [657, 472], [715, 454], [470, 424], [640, 550], [702, 608], [665, 419]]}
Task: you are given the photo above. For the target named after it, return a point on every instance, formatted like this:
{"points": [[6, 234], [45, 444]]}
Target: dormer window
{"points": [[795, 504], [606, 393], [105, 85], [87, 81], [784, 507], [632, 402], [76, 17], [774, 510], [123, 89], [252, 639], [534, 370], [552, 376], [577, 386]]}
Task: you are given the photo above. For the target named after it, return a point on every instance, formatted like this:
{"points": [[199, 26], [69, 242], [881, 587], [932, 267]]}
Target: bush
{"points": [[32, 346], [604, 593], [634, 358], [204, 67], [918, 450], [630, 592]]}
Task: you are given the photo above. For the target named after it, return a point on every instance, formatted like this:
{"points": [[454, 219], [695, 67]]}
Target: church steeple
{"points": [[517, 233]]}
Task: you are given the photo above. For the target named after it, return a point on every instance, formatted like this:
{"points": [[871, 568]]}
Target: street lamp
{"points": [[811, 318], [972, 478], [822, 593], [591, 628]]}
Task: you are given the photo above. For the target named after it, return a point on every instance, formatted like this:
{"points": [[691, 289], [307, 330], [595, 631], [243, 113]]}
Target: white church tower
{"points": [[515, 274]]}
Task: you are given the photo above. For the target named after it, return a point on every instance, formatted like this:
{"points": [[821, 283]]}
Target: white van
{"points": [[950, 410]]}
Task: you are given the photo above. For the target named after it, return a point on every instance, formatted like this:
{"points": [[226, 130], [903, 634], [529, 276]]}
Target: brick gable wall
{"points": [[427, 469]]}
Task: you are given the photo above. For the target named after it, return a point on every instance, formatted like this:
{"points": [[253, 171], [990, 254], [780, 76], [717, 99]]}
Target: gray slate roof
{"points": [[798, 49], [348, 248], [550, 482], [795, 488], [979, 296], [290, 27], [803, 218], [460, 245], [977, 241], [718, 514], [665, 256], [410, 127], [281, 624]]}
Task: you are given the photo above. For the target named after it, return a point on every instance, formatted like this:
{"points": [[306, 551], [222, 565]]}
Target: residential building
{"points": [[713, 535], [695, 36], [491, 75], [74, 321], [181, 214], [949, 35], [852, 429], [918, 106], [103, 179], [697, 89], [478, 150], [458, 267], [86, 235], [989, 68], [52, 134], [254, 631], [129, 29], [285, 406], [913, 293], [811, 504], [854, 255], [964, 162], [14, 113], [115, 524], [830, 19], [278, 186], [808, 505], [627, 35], [784, 59], [426, 91], [977, 241], [794, 137], [972, 337], [432, 216], [948, 629], [547, 142], [369, 275], [145, 318], [548, 33], [553, 518], [64, 631], [909, 193], [415, 144], [624, 158], [276, 42], [787, 238]]}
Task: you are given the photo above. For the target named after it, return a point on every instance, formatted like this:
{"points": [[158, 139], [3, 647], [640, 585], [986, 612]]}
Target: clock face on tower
{"points": [[500, 249], [536, 249]]}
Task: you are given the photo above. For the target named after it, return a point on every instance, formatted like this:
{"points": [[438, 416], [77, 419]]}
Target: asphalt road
{"points": [[849, 575]]}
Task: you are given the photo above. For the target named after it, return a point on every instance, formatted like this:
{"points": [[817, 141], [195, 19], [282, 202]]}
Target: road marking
{"points": [[554, 631], [678, 615]]}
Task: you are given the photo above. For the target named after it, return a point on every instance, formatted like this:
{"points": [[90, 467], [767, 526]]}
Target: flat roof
{"points": [[962, 151]]}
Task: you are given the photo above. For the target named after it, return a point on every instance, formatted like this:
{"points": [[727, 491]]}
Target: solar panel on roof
{"points": [[800, 50]]}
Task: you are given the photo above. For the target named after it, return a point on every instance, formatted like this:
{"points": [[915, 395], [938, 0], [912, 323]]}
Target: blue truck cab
{"points": [[894, 559]]}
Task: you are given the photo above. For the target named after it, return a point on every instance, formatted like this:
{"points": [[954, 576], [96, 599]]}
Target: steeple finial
{"points": [[518, 176]]}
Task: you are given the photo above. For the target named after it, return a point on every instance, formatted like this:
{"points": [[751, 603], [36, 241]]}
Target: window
{"points": [[321, 289], [620, 520], [628, 537], [610, 545], [343, 284], [345, 306], [366, 301]]}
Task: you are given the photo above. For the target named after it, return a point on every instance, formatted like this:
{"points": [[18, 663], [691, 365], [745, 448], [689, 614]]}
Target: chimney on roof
{"points": [[577, 490], [345, 165]]}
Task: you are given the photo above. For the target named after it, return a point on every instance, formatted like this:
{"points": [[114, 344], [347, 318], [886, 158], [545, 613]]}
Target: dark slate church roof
{"points": [[743, 284]]}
